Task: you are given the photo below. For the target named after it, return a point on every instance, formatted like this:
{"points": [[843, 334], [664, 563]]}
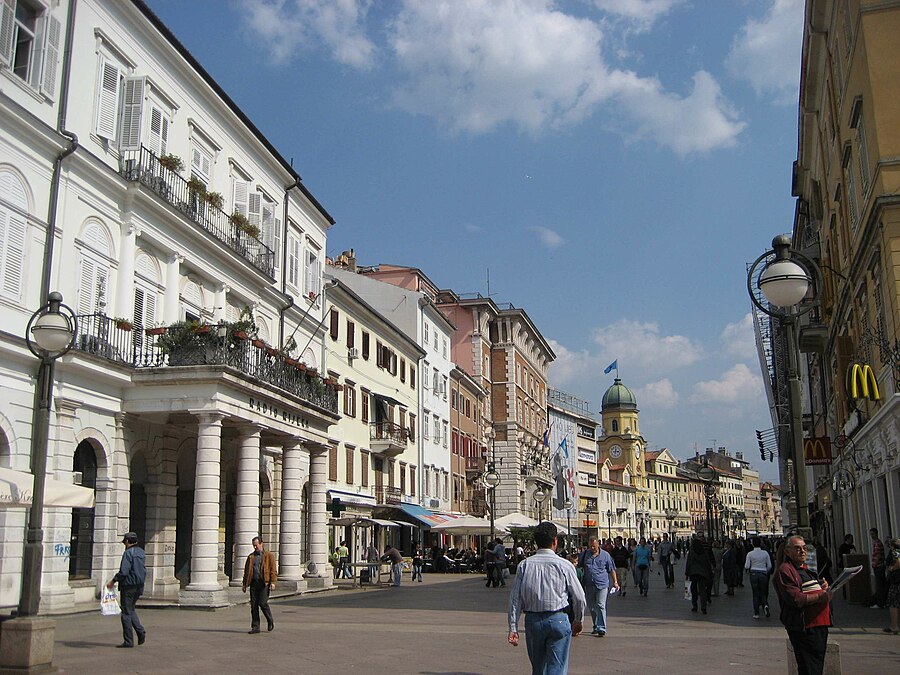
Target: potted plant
{"points": [[155, 330], [197, 186], [259, 344], [124, 324], [202, 329], [185, 344], [215, 199], [171, 162]]}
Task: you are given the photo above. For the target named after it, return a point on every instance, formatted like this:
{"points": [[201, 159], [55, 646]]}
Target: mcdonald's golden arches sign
{"points": [[862, 382], [817, 450]]}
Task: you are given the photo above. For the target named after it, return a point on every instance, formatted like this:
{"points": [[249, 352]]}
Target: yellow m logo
{"points": [[817, 450], [863, 383]]}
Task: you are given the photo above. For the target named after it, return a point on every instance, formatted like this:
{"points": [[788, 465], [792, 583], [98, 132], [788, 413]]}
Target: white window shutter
{"points": [[52, 39], [132, 108], [158, 138], [7, 26], [12, 252], [254, 214], [268, 225], [276, 242], [107, 100], [240, 197], [139, 307], [201, 163], [92, 288]]}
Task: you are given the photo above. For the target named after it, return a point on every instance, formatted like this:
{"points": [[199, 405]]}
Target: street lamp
{"points": [[708, 475], [540, 494], [671, 514], [609, 515], [784, 277], [50, 334], [491, 479], [628, 525], [568, 506]]}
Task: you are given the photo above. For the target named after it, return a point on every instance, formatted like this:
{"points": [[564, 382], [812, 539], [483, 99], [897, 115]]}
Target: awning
{"points": [[16, 489], [352, 498], [424, 516], [388, 399], [361, 521]]}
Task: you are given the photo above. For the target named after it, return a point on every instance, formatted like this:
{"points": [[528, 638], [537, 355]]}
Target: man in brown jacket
{"points": [[260, 577]]}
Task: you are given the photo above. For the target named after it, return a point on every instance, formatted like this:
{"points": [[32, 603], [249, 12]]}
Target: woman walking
{"points": [[643, 555], [892, 569], [698, 569], [729, 567], [759, 564]]}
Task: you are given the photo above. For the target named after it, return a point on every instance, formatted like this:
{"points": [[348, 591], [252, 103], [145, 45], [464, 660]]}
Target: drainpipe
{"points": [[57, 164], [284, 248]]}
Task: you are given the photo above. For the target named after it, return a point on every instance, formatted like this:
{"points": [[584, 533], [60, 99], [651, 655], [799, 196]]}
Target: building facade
{"points": [[191, 436]]}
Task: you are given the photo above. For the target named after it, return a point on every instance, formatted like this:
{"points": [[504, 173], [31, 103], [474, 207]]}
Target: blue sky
{"points": [[614, 164]]}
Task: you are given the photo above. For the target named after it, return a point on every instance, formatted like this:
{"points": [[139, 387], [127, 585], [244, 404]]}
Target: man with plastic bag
{"points": [[130, 577]]}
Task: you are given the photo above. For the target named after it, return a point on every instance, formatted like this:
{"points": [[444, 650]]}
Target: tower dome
{"points": [[618, 397]]}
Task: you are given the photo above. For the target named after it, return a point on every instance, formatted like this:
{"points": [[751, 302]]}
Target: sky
{"points": [[609, 166]]}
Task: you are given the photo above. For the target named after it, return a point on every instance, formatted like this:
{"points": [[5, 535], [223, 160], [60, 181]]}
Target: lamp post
{"points": [[491, 479], [708, 475], [568, 506], [784, 277], [50, 334], [609, 515], [671, 514], [540, 494], [628, 525]]}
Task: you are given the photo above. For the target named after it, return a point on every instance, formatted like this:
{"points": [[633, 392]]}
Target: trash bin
{"points": [[364, 575], [859, 588]]}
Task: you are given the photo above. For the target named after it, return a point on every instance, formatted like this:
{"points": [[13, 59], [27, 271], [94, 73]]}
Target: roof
{"points": [[618, 396]]}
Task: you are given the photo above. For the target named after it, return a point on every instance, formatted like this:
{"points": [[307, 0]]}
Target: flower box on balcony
{"points": [[301, 367], [203, 329], [271, 351], [158, 330], [241, 335], [259, 344], [291, 362], [310, 371], [125, 325]]}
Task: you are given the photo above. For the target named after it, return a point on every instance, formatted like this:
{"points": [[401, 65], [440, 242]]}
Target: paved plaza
{"points": [[453, 624]]}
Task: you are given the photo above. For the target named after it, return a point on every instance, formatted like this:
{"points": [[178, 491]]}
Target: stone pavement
{"points": [[453, 624]]}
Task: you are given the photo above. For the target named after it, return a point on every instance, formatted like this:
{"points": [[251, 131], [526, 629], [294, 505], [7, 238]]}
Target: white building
{"points": [[413, 311], [195, 440]]}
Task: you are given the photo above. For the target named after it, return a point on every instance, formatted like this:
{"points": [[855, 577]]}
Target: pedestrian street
{"points": [[451, 623]]}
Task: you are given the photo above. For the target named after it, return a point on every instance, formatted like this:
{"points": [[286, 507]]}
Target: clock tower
{"points": [[621, 441]]}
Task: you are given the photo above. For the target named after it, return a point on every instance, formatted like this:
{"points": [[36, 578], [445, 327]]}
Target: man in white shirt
{"points": [[545, 586], [759, 563]]}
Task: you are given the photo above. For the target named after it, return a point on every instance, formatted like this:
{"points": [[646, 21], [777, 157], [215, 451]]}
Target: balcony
{"points": [[144, 167], [187, 344], [387, 439], [474, 466], [387, 495]]}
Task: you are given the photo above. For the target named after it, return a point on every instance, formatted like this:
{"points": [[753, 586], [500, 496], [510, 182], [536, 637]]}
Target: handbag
{"points": [[109, 603], [687, 590]]}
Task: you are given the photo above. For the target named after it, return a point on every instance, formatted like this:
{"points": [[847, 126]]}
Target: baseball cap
{"points": [[129, 538]]}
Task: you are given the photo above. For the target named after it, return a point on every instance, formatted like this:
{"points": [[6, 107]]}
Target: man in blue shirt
{"points": [[130, 577], [545, 584], [599, 571]]}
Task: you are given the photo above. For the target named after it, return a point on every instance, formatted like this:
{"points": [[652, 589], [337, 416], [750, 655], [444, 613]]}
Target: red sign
{"points": [[817, 450]]}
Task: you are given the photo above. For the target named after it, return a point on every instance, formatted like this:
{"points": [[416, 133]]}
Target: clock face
{"points": [[615, 451], [637, 452]]}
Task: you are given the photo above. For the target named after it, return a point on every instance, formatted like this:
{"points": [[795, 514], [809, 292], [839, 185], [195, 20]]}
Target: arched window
{"points": [[615, 426], [95, 248], [13, 207], [192, 296], [146, 290], [82, 537]]}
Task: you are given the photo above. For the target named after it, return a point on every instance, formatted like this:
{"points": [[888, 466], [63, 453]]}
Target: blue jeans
{"points": [[129, 618], [396, 570], [759, 583], [642, 579], [547, 636], [596, 601], [417, 572]]}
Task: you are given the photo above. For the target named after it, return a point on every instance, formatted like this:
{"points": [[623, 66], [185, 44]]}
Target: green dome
{"points": [[618, 397]]}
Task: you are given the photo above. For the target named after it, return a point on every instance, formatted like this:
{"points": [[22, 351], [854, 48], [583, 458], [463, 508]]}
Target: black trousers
{"points": [[259, 600], [809, 649], [131, 624]]}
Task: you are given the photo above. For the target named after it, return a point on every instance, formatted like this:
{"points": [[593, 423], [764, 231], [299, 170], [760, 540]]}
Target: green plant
{"points": [[197, 186], [214, 199], [123, 323], [185, 335], [245, 327], [171, 162]]}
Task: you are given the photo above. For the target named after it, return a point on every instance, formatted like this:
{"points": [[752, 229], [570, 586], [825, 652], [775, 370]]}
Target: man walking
{"points": [[499, 562], [544, 586], [759, 564], [621, 556], [344, 561], [599, 571], [130, 577], [804, 608], [878, 567], [260, 577], [374, 561], [665, 559]]}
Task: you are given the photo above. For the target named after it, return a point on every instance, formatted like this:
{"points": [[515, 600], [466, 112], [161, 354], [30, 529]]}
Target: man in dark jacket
{"points": [[130, 577], [804, 608]]}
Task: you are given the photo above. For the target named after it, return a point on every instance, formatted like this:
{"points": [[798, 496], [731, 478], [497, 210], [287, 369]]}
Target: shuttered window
{"points": [[132, 109], [158, 138], [335, 321], [332, 463], [365, 346], [293, 261], [349, 476], [107, 116], [13, 206], [29, 44], [351, 334], [93, 280], [201, 164], [313, 274]]}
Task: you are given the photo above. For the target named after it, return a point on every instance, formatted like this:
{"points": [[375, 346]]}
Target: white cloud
{"points": [[641, 345], [289, 26], [571, 366], [548, 237], [659, 394], [739, 340], [642, 12], [766, 52], [736, 385]]}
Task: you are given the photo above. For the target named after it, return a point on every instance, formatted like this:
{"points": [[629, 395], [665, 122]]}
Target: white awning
{"points": [[16, 489], [362, 521]]}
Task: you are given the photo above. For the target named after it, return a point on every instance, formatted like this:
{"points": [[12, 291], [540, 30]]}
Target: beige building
{"points": [[848, 219], [467, 446], [667, 498]]}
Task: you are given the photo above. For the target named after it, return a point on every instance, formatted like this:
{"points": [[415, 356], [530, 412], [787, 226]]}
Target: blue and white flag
{"points": [[611, 367]]}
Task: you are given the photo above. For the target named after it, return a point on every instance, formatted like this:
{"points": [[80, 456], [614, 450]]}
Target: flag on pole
{"points": [[611, 367], [547, 438]]}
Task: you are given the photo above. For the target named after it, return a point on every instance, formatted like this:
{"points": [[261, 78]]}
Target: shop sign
{"points": [[274, 412], [817, 450]]}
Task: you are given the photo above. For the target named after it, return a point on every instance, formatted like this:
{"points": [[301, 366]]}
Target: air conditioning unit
{"points": [[434, 503], [353, 353]]}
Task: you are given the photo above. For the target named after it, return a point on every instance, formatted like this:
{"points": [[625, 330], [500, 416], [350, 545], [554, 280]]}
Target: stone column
{"points": [[171, 308], [204, 588], [318, 533], [290, 565], [246, 516], [124, 305]]}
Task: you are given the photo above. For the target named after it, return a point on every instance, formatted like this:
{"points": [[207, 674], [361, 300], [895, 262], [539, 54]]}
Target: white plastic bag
{"points": [[109, 602], [687, 590]]}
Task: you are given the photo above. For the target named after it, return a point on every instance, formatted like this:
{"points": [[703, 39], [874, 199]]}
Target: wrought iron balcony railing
{"points": [[144, 166], [388, 431], [188, 344]]}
